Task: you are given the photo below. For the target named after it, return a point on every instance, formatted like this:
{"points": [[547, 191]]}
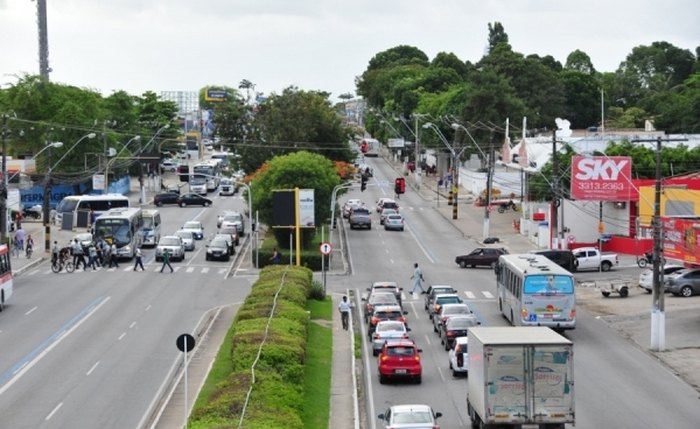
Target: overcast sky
{"points": [[158, 45]]}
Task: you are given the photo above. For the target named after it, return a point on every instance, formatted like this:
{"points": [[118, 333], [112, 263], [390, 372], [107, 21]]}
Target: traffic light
{"points": [[400, 185]]}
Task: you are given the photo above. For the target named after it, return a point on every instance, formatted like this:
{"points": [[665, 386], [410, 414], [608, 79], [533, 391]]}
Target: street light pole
{"points": [[47, 187], [3, 190]]}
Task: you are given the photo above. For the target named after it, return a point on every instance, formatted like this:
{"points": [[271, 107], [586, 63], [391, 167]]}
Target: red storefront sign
{"points": [[601, 178], [681, 238]]}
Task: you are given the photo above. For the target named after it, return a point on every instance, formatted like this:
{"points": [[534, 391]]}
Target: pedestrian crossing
{"points": [[472, 296], [150, 268]]}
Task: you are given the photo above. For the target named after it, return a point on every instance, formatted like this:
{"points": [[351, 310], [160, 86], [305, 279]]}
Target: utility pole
{"points": [[44, 68], [489, 185], [658, 316], [554, 230], [3, 185]]}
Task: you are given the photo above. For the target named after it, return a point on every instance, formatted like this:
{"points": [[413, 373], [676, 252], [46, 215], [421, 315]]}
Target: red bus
{"points": [[5, 276]]}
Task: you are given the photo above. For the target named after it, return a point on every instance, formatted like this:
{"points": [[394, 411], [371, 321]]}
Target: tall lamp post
{"points": [[3, 191], [47, 186]]}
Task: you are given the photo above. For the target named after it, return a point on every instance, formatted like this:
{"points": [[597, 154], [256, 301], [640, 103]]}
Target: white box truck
{"points": [[520, 376]]}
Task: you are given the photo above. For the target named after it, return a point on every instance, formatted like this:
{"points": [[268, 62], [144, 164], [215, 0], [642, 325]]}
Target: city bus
{"points": [[5, 275], [84, 203], [535, 291], [122, 227], [209, 170]]}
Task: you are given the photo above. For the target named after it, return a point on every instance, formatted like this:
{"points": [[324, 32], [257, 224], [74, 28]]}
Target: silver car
{"points": [[187, 239], [415, 416], [195, 227], [387, 330], [173, 245]]}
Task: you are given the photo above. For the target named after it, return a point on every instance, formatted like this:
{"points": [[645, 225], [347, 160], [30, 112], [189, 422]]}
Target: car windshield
{"points": [[383, 297], [388, 314], [456, 309], [169, 241], [192, 225], [228, 230], [218, 242], [447, 300], [461, 323], [184, 235], [401, 351]]}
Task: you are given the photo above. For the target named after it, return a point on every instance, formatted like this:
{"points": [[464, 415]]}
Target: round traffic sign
{"points": [[326, 248], [185, 342], [571, 238]]}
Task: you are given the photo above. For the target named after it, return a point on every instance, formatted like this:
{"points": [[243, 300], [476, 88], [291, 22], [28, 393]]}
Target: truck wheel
{"points": [[624, 292], [605, 266], [606, 294]]}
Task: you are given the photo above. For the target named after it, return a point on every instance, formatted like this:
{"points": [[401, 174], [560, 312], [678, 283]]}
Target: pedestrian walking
{"points": [[166, 261], [15, 246], [344, 307], [417, 278], [20, 235], [113, 256], [18, 220], [78, 254], [92, 256], [139, 260]]}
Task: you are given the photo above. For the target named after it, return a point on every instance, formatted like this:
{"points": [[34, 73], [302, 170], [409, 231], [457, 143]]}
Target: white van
{"points": [[151, 227]]}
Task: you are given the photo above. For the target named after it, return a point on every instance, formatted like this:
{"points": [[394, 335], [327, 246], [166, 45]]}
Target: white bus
{"points": [[535, 291], [99, 203], [122, 227], [210, 171]]}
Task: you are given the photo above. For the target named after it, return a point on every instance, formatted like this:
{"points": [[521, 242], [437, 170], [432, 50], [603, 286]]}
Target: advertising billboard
{"points": [[601, 178], [681, 238]]}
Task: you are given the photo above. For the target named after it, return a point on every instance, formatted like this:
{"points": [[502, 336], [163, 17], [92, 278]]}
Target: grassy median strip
{"points": [[318, 364]]}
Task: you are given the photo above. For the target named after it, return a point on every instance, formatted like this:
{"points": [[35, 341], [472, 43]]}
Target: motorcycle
{"points": [[503, 207], [646, 259]]}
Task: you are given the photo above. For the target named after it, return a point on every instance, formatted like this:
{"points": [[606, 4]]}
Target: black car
{"points": [[165, 198], [564, 258], [483, 256], [218, 249], [193, 200]]}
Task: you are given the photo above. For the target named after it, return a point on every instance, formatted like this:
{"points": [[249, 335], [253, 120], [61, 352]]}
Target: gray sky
{"points": [[140, 45]]}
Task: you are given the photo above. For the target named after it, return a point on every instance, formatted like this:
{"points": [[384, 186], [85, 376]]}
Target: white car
{"points": [[410, 416], [350, 204], [383, 200], [459, 356], [168, 165], [227, 187], [187, 238], [231, 218], [195, 227], [173, 245], [646, 277], [387, 330]]}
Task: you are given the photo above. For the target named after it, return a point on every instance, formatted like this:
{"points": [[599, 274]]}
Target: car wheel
{"points": [[606, 294], [182, 204], [159, 204], [207, 204], [418, 380], [686, 291], [206, 258], [434, 328], [462, 264], [493, 265], [375, 352], [382, 379], [447, 346], [455, 373]]}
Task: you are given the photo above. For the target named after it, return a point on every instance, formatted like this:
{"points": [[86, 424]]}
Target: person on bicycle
{"points": [[344, 307], [30, 245]]}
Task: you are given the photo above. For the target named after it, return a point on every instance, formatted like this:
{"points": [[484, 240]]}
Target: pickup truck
{"points": [[590, 258], [360, 218]]}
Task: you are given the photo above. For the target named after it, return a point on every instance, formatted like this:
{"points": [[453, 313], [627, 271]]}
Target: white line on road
{"points": [[470, 295], [119, 338], [54, 411], [487, 294], [30, 311], [92, 368]]}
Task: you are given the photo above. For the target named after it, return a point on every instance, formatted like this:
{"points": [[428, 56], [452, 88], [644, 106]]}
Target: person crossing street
{"points": [[417, 278]]}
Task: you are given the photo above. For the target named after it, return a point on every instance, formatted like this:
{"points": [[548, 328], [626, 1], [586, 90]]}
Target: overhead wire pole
{"points": [[658, 317], [3, 190], [554, 230]]}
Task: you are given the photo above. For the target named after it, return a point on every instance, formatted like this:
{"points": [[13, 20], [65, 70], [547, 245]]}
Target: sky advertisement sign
{"points": [[601, 178]]}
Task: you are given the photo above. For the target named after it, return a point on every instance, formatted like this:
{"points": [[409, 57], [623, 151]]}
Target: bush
{"points": [[316, 291]]}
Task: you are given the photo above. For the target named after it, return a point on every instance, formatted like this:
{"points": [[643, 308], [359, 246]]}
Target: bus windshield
{"points": [[548, 284], [115, 231]]}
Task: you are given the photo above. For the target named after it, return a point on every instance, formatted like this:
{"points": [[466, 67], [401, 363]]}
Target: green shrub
{"points": [[317, 291]]}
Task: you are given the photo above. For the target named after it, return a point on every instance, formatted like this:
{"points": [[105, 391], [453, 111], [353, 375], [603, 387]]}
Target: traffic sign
{"points": [[185, 342], [571, 238], [326, 248]]}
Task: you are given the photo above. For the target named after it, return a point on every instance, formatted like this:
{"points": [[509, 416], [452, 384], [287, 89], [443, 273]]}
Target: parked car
{"points": [[376, 299], [168, 165], [193, 200], [173, 245], [590, 258], [387, 330], [435, 290], [385, 312], [447, 311], [410, 416], [646, 277], [360, 218], [459, 356], [481, 256], [394, 222], [187, 239], [218, 249], [400, 359], [166, 198], [456, 326], [683, 282], [564, 258], [386, 286]]}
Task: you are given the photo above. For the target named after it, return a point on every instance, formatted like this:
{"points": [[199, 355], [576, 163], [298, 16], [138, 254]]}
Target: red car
{"points": [[400, 359]]}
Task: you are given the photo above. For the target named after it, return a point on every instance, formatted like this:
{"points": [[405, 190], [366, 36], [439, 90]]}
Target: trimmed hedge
{"points": [[277, 395]]}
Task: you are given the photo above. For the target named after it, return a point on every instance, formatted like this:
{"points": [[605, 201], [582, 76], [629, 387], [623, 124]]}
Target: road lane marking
{"points": [[92, 368], [48, 417], [12, 375]]}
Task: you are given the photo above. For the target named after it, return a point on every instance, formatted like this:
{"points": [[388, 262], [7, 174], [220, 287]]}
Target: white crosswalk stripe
{"points": [[470, 295], [487, 294]]}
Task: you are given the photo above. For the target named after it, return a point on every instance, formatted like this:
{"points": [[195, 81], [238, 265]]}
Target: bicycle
{"points": [[30, 250], [60, 264]]}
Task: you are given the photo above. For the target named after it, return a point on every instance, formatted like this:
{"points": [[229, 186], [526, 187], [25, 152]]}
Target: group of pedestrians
{"points": [[98, 254], [21, 242]]}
